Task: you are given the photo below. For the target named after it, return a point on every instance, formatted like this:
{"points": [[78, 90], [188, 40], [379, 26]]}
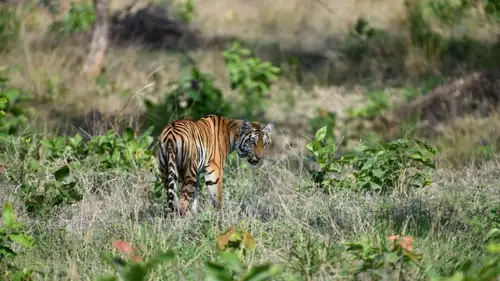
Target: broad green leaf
{"points": [[261, 273], [216, 272], [161, 257], [495, 232], [21, 239], [62, 173], [8, 215], [321, 133], [378, 173], [232, 261], [494, 248], [392, 257]]}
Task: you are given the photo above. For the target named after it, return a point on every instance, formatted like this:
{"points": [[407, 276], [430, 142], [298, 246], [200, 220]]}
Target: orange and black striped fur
{"points": [[187, 148]]}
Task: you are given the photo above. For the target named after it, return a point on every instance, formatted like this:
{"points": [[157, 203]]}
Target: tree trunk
{"points": [[95, 58]]}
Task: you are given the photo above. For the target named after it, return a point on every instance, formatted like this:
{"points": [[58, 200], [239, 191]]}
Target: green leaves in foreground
{"points": [[11, 233], [228, 266]]}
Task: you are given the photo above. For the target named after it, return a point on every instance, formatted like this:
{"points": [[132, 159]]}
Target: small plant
{"points": [[232, 246], [392, 257], [251, 76], [113, 151], [378, 169], [12, 114], [12, 236], [110, 150], [378, 102], [9, 28], [135, 269], [80, 17], [194, 97], [486, 270], [43, 197], [328, 119], [186, 10]]}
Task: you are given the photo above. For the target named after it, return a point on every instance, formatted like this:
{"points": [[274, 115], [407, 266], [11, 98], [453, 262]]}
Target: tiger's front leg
{"points": [[213, 180]]}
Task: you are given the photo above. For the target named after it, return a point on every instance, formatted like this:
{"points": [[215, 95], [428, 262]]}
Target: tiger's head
{"points": [[253, 141]]}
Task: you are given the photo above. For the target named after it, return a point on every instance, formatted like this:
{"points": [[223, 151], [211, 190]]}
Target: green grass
{"points": [[294, 224]]}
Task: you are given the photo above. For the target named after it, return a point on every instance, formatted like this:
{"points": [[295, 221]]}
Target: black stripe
{"points": [[211, 182]]}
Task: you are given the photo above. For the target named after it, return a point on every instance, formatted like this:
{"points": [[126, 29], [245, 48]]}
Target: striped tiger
{"points": [[187, 148]]}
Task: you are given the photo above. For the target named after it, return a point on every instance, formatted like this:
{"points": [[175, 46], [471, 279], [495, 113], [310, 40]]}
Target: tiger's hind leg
{"points": [[188, 192]]}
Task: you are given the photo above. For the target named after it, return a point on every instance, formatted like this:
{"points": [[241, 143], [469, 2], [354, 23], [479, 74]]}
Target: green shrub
{"points": [[252, 77], [324, 118], [378, 102], [9, 28], [380, 169], [194, 97], [12, 113], [80, 17], [13, 236], [394, 258]]}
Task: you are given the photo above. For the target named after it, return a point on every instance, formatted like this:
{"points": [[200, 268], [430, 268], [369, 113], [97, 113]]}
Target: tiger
{"points": [[188, 148]]}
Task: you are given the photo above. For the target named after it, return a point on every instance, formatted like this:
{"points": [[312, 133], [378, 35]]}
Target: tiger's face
{"points": [[253, 141]]}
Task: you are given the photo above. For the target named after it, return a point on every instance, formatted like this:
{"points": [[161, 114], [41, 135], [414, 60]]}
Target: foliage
{"points": [[251, 76], [42, 194], [11, 235], [233, 245], [80, 17], [228, 265], [324, 118], [42, 197], [411, 93], [195, 96], [378, 102], [378, 169], [487, 269], [12, 113], [9, 27], [122, 152], [110, 150], [186, 10], [389, 258], [135, 269]]}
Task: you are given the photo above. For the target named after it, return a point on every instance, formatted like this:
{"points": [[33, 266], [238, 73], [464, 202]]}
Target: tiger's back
{"points": [[188, 148]]}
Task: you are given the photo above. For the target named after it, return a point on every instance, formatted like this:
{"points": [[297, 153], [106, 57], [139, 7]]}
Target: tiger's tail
{"points": [[168, 168]]}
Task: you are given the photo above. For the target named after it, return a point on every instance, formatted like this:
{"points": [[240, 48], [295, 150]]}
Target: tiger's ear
{"points": [[245, 127], [268, 128]]}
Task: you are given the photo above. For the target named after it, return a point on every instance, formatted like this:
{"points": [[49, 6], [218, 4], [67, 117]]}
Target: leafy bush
{"points": [[109, 150], [12, 114], [487, 269], [324, 118], [378, 102], [185, 11], [378, 169], [195, 96], [231, 247], [394, 258], [12, 236], [252, 77], [43, 197], [80, 17], [9, 28]]}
